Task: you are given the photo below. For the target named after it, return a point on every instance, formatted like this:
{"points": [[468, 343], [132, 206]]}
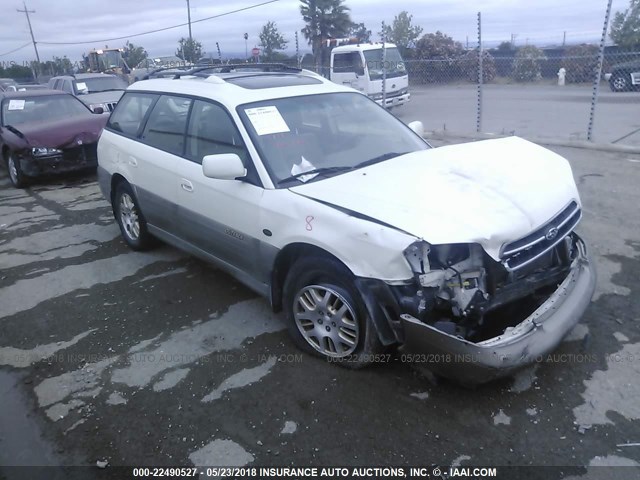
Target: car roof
{"points": [[232, 89], [361, 46], [80, 76], [32, 93]]}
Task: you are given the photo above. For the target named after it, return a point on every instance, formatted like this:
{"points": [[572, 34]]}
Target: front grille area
{"points": [[81, 153], [522, 252], [397, 93]]}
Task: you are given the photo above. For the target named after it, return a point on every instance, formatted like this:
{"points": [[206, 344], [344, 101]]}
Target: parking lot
{"points": [[160, 359], [531, 111]]}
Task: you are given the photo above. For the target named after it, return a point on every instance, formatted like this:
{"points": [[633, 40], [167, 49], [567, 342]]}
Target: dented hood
{"points": [[489, 192], [63, 133]]}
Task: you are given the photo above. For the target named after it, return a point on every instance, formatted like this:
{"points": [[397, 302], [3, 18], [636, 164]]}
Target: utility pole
{"points": [[246, 50], [189, 17], [27, 12], [564, 38]]}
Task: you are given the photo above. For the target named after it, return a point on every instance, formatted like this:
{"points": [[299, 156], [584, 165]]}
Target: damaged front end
{"points": [[43, 160], [480, 318]]}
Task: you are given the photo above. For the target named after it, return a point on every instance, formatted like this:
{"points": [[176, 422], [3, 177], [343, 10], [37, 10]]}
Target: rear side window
{"points": [[211, 132], [130, 113], [167, 124], [66, 87]]}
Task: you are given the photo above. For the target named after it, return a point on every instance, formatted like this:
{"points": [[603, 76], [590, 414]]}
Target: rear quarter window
{"points": [[130, 113]]}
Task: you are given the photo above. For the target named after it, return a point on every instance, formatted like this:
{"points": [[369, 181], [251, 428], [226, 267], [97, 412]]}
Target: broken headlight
{"points": [[453, 274], [44, 151]]}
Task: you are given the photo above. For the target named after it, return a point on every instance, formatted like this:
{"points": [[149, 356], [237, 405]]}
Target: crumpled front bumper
{"points": [[527, 342], [78, 158]]}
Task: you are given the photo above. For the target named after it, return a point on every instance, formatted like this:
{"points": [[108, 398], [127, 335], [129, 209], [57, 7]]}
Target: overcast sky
{"points": [[540, 22]]}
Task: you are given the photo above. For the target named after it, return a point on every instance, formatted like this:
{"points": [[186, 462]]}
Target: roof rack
{"points": [[236, 67], [154, 71]]}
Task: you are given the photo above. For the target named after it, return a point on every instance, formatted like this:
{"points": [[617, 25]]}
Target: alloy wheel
{"points": [[326, 321], [129, 216]]}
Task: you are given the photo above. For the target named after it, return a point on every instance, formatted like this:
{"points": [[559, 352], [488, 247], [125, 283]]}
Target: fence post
{"points": [[297, 51], [598, 73], [480, 75], [384, 69]]}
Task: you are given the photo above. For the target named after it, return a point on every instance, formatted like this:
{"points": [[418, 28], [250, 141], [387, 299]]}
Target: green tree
{"points": [[580, 63], [63, 66], [505, 47], [436, 59], [189, 50], [271, 40], [625, 28], [324, 19], [468, 64], [402, 32], [360, 32], [503, 58], [17, 72], [134, 54], [526, 66]]}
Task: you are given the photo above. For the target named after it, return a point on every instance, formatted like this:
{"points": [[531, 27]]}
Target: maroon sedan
{"points": [[47, 131]]}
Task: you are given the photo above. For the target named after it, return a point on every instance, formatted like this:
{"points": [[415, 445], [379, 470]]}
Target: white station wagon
{"points": [[345, 218]]}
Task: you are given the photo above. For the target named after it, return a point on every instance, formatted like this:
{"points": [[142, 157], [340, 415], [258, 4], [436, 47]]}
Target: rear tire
{"points": [[131, 221], [16, 176], [325, 314]]}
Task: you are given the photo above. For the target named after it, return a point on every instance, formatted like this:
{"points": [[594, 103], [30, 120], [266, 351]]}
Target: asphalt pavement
{"points": [[109, 355]]}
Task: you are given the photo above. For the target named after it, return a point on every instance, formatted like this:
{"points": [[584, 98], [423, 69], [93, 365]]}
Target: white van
{"points": [[360, 66]]}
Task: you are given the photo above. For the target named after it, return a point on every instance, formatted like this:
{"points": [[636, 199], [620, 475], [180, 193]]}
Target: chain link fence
{"points": [[528, 91], [575, 91], [530, 66]]}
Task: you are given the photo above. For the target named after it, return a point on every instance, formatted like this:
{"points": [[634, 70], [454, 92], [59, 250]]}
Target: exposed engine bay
{"points": [[460, 290]]}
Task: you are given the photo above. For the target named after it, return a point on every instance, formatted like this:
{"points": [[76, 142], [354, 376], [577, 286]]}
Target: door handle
{"points": [[186, 185], [133, 162]]}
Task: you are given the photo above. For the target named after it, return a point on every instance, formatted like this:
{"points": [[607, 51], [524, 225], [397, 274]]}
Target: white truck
{"points": [[360, 66]]}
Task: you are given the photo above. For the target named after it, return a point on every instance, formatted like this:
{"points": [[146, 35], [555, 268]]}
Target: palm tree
{"points": [[325, 19]]}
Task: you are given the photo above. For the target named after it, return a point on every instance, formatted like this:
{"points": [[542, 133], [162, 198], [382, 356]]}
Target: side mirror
{"points": [[225, 166], [98, 110], [360, 71], [417, 127]]}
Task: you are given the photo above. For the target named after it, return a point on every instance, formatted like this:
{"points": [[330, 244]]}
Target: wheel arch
{"points": [[116, 179], [283, 262], [375, 294]]}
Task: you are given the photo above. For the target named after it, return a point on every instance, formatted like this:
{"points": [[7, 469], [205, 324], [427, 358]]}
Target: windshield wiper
{"points": [[315, 171], [378, 159], [109, 90]]}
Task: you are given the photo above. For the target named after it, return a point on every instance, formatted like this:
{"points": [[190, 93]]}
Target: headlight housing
{"points": [[45, 151], [376, 96]]}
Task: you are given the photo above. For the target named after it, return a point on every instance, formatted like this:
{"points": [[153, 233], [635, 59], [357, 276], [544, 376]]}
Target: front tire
{"points": [[325, 314], [619, 83], [132, 223], [16, 176]]}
